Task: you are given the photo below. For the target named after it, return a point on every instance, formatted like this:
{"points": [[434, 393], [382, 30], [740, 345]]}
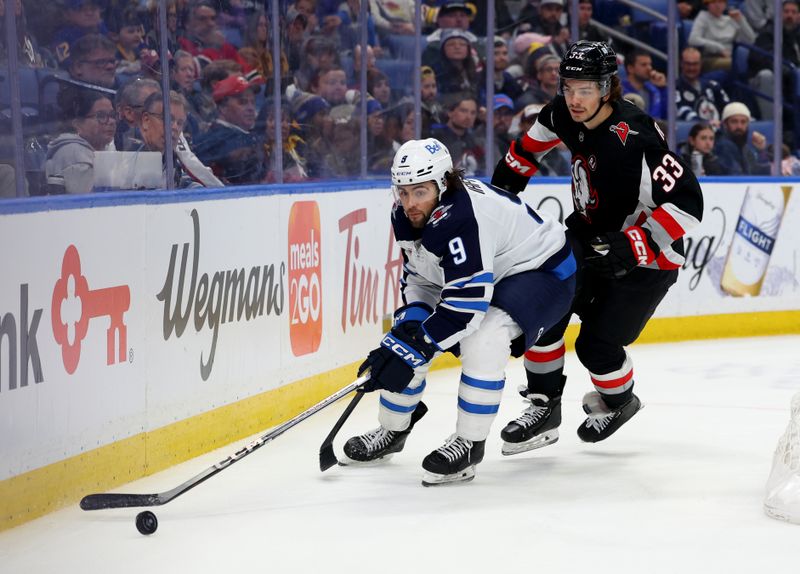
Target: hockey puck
{"points": [[146, 522]]}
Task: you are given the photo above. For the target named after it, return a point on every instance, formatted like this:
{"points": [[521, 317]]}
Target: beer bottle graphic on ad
{"points": [[753, 239]]}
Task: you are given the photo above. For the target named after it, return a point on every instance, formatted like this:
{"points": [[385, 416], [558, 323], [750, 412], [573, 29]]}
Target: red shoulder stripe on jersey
{"points": [[534, 146], [544, 357], [613, 383], [664, 263], [668, 222]]}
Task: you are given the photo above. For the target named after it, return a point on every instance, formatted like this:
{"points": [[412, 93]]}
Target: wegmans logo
{"points": [[213, 298]]}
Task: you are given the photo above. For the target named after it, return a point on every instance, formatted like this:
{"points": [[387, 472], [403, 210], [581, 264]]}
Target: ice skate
{"points": [[603, 421], [373, 447], [454, 461], [378, 445], [536, 427]]}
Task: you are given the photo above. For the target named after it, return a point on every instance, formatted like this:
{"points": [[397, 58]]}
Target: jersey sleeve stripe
{"points": [[668, 222], [664, 260], [482, 306], [482, 277], [539, 139], [476, 292]]}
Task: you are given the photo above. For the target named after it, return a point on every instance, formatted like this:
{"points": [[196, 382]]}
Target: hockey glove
{"points": [[515, 169], [392, 365], [615, 254], [518, 346], [411, 317]]}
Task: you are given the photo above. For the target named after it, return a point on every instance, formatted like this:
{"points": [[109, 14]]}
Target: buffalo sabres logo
{"points": [[584, 196], [440, 213], [622, 129]]}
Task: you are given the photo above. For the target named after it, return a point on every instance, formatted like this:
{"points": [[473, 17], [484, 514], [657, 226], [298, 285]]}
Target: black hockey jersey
{"points": [[623, 174]]}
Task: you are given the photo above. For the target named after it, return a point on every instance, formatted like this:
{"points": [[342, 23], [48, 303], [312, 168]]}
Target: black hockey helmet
{"points": [[587, 60]]}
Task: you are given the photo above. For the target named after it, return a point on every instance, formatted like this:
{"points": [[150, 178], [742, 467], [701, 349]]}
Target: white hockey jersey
{"points": [[477, 236]]}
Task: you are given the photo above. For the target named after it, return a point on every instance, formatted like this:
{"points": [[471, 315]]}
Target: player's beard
{"points": [[417, 218]]}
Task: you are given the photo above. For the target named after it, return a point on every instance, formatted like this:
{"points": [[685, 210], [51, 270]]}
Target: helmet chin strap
{"points": [[603, 102]]}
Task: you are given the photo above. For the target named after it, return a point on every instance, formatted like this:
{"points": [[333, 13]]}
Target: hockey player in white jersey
{"points": [[482, 269]]}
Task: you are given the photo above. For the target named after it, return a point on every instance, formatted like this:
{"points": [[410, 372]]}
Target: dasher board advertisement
{"points": [[744, 256]]}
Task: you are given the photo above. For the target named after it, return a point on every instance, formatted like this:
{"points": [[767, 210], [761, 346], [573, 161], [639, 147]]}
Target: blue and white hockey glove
{"points": [[392, 364], [411, 317], [615, 254]]}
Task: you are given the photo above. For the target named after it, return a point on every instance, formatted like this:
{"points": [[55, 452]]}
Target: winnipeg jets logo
{"points": [[584, 196], [622, 129], [440, 213]]}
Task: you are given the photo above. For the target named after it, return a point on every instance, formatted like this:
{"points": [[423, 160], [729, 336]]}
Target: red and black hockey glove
{"points": [[615, 254], [392, 364], [515, 169]]}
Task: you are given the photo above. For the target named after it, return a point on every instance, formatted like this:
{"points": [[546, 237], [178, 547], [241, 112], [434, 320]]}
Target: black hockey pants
{"points": [[613, 313]]}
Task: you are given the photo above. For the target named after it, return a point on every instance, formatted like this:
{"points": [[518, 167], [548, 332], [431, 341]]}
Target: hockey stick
{"points": [[122, 500], [327, 458]]}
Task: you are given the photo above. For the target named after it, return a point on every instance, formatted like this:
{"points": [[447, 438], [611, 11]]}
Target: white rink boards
{"points": [[678, 489]]}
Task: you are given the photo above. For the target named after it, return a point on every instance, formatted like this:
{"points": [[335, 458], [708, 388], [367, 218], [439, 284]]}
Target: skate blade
{"points": [[347, 461], [432, 479], [547, 437]]}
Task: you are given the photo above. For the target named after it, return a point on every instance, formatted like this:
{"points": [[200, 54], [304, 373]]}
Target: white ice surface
{"points": [[678, 489]]}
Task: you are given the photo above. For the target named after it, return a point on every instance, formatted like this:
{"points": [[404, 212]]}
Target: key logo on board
{"points": [[305, 278], [74, 305]]}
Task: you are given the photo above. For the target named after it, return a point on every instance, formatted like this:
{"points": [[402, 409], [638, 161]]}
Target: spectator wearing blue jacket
{"points": [[737, 155], [650, 84]]}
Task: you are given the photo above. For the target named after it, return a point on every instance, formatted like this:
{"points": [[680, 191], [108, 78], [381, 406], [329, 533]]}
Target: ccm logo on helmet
{"points": [[639, 245], [433, 147], [410, 358]]}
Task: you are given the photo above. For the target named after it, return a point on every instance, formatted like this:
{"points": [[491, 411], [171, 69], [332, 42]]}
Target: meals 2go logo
{"points": [[305, 278]]}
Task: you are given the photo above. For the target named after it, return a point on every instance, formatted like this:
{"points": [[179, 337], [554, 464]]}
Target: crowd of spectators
{"points": [[222, 74]]}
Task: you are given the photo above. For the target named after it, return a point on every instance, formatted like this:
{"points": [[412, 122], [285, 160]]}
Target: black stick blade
{"points": [[327, 458], [119, 500]]}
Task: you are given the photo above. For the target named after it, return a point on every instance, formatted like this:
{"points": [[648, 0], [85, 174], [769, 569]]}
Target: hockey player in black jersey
{"points": [[633, 201], [481, 269]]}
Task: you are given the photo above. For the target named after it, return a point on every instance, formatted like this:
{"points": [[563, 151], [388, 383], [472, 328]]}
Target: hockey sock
{"points": [[616, 401], [615, 387], [544, 367]]}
